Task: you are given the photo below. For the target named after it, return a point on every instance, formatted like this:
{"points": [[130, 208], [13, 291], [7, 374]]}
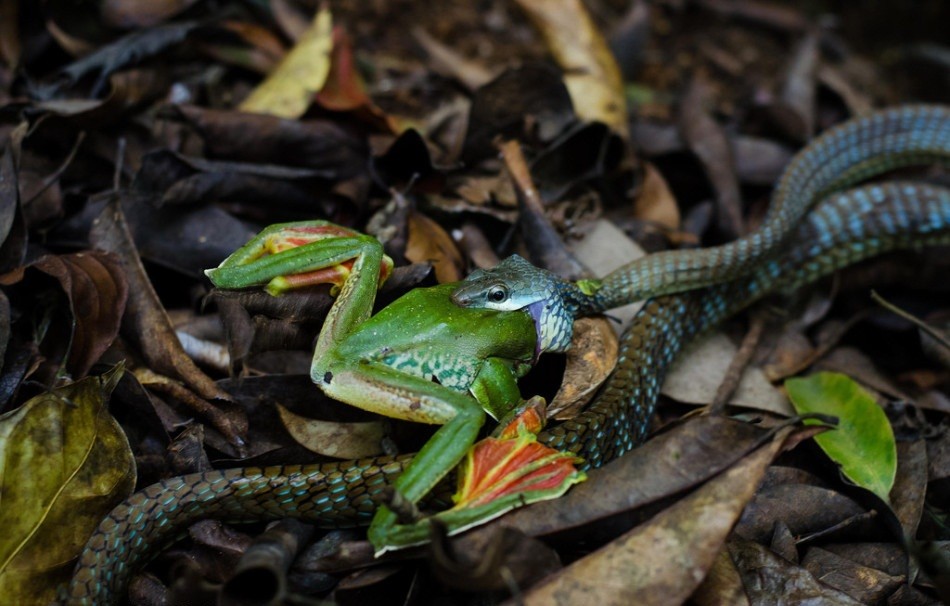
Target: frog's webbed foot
{"points": [[498, 474], [296, 255]]}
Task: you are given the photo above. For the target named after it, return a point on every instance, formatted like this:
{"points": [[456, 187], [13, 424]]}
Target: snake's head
{"points": [[515, 284], [511, 285]]}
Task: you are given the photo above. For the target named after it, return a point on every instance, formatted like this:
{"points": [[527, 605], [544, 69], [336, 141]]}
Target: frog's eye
{"points": [[497, 294]]}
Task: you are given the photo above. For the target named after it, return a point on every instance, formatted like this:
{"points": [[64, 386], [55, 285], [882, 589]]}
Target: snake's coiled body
{"points": [[843, 229], [840, 157]]}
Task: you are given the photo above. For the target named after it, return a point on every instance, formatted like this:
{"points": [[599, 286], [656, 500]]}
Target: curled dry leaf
{"points": [[97, 292], [290, 88], [334, 439], [663, 561], [64, 463], [592, 75], [429, 243], [591, 358], [345, 90], [228, 419]]}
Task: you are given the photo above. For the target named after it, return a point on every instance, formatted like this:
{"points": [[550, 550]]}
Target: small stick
{"points": [[738, 365], [930, 330]]}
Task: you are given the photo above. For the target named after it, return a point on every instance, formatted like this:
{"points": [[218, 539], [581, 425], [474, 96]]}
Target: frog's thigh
{"points": [[386, 391], [496, 388]]}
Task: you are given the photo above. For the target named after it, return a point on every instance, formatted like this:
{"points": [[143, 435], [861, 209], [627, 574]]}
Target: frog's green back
{"points": [[425, 319]]}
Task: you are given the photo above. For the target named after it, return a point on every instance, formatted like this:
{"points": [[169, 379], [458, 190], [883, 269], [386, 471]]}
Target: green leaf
{"points": [[64, 463], [863, 443]]}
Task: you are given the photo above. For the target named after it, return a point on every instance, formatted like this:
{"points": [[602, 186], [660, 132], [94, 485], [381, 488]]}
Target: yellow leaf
{"points": [[64, 464], [288, 91], [591, 73]]}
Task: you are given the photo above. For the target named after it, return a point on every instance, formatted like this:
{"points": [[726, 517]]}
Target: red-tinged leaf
{"points": [[345, 90]]}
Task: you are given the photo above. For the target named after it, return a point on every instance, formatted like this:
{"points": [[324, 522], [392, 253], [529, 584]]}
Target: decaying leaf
{"points": [[663, 561], [696, 374], [591, 358], [863, 443], [64, 463], [96, 290], [766, 575], [146, 321], [656, 202], [289, 90], [429, 243], [591, 72], [334, 439]]}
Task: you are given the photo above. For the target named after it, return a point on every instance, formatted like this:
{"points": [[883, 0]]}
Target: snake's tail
{"points": [[839, 158], [844, 229], [159, 514]]}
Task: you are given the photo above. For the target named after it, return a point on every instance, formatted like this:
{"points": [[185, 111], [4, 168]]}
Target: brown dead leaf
{"points": [[656, 202], [146, 322], [128, 14], [766, 575], [429, 243], [866, 585], [708, 141], [722, 585], [345, 90], [334, 439], [803, 508], [662, 561], [910, 485], [97, 292], [699, 370], [591, 358]]}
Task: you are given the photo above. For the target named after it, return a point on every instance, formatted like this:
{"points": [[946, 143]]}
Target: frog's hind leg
{"points": [[295, 255], [379, 388]]}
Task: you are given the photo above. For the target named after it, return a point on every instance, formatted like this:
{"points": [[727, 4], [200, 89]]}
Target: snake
{"points": [[816, 226]]}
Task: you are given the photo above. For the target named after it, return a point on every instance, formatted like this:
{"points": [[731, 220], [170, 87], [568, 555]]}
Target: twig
{"points": [[937, 336], [48, 181], [738, 365]]}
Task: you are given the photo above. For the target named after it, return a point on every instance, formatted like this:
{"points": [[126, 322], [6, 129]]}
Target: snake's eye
{"points": [[497, 294]]}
